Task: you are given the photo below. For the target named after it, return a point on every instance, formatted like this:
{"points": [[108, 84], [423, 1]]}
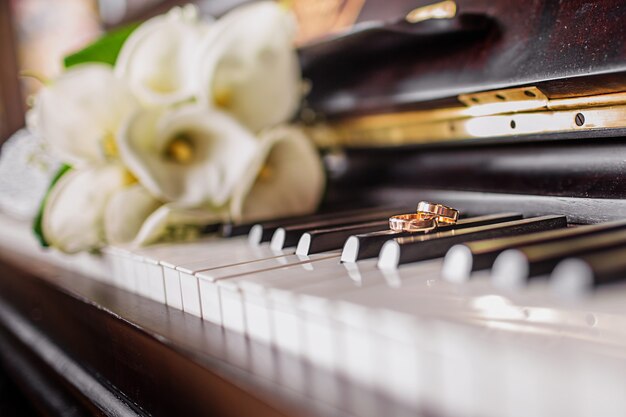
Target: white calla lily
{"points": [[286, 178], [189, 155], [158, 57], [126, 212], [248, 65], [74, 211], [80, 112], [170, 222]]}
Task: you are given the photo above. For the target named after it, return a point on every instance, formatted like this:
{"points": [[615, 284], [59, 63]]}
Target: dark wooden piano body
{"points": [[566, 49], [83, 347]]}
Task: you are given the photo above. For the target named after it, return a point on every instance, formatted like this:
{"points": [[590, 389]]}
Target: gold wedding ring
{"points": [[413, 222], [444, 214], [429, 216]]}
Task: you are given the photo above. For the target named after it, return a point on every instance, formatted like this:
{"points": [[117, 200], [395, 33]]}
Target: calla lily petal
{"points": [[248, 65], [126, 212], [173, 223], [74, 211], [158, 57], [191, 155], [80, 112], [285, 179]]}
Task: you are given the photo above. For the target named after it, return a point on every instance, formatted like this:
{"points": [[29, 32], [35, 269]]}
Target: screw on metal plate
{"points": [[580, 119]]}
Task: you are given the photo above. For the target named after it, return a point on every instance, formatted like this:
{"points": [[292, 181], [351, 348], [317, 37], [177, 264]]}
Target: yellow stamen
{"points": [[180, 149], [223, 97], [109, 146], [130, 179], [266, 173]]}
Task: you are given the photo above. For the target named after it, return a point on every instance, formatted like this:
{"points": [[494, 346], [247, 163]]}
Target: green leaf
{"points": [[37, 222], [105, 50]]}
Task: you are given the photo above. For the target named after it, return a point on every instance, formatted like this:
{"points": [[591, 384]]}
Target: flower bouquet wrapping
{"points": [[179, 122]]}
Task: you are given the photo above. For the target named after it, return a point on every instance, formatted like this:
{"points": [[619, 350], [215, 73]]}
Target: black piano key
{"points": [[288, 236], [232, 229], [575, 277], [235, 229], [368, 245], [433, 245], [515, 267], [322, 240], [462, 260], [262, 232], [210, 228]]}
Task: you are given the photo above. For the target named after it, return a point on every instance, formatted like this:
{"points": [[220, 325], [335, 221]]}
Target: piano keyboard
{"points": [[450, 320]]}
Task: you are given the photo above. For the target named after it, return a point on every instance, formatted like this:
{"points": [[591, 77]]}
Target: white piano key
{"points": [[255, 299], [173, 292], [230, 297], [457, 370], [207, 276], [258, 318], [285, 323], [288, 330], [127, 280], [156, 283], [182, 292], [225, 257], [152, 277], [141, 278], [600, 386], [190, 293], [320, 341], [116, 265], [405, 349], [210, 280], [231, 308], [209, 300], [357, 356], [170, 256], [230, 255], [288, 327]]}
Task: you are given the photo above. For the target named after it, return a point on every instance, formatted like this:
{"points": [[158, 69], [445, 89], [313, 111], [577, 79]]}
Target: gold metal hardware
{"points": [[491, 114], [505, 101], [442, 10]]}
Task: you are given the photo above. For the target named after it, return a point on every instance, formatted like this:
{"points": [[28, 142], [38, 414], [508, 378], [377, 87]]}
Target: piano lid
{"points": [[434, 72]]}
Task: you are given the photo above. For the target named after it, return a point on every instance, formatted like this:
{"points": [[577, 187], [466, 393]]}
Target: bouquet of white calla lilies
{"points": [[186, 127]]}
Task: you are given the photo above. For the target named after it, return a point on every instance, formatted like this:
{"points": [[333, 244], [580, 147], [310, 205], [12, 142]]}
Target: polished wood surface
{"points": [[568, 48], [583, 169], [139, 357]]}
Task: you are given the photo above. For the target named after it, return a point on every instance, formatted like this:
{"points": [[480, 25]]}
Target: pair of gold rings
{"points": [[427, 217]]}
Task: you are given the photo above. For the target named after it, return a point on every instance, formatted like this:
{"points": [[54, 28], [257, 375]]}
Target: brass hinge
{"points": [[524, 111], [505, 101]]}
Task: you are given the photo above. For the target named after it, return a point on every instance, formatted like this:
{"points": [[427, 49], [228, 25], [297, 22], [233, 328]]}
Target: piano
{"points": [[512, 112]]}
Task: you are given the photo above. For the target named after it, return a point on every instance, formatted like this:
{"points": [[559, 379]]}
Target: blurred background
{"points": [[35, 35]]}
